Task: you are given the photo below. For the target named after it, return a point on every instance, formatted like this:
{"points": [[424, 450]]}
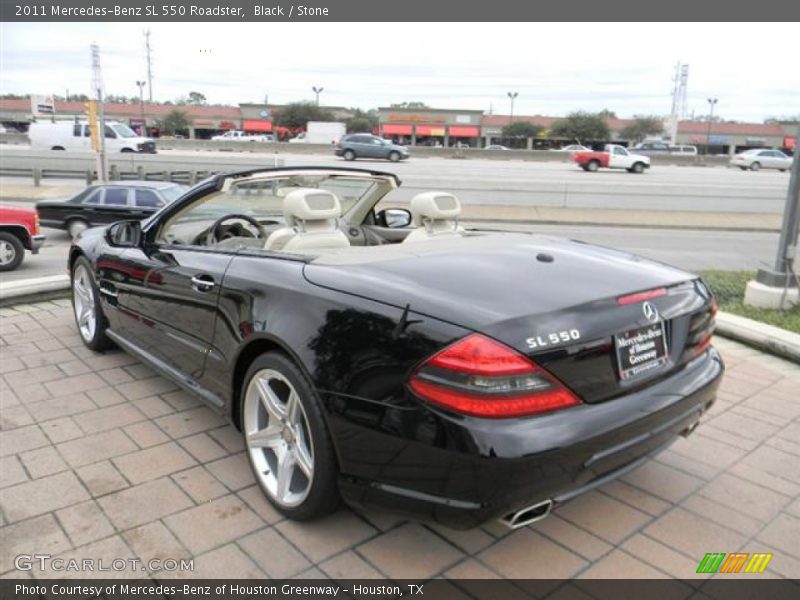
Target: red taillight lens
{"points": [[641, 296], [481, 377]]}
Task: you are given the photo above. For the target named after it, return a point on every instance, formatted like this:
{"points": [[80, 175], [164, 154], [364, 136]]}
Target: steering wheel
{"points": [[213, 232]]}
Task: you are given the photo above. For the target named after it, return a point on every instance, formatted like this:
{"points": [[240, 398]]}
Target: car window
{"points": [[76, 130], [620, 151], [94, 197], [147, 199], [109, 132], [86, 131], [116, 196]]}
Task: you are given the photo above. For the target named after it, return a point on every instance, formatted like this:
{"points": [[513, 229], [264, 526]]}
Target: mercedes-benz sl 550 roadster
{"points": [[391, 357]]}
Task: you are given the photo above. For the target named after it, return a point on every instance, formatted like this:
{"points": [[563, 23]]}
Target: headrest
{"points": [[434, 206], [307, 204]]}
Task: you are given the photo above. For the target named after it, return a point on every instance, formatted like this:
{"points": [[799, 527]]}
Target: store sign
{"points": [[43, 105], [788, 142], [463, 119], [416, 118]]}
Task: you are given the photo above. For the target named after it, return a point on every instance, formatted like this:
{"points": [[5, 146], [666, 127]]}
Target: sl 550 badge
{"points": [[551, 339]]}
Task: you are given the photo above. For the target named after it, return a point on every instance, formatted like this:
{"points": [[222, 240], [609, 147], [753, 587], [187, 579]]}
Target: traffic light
{"points": [[94, 129]]}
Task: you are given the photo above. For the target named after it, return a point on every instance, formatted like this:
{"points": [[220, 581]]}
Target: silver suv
{"points": [[364, 145]]}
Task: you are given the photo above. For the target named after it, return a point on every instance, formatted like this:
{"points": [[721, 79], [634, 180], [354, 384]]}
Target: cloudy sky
{"points": [[555, 68]]}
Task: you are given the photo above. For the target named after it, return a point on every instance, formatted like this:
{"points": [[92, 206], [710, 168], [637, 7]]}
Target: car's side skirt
{"points": [[188, 384]]}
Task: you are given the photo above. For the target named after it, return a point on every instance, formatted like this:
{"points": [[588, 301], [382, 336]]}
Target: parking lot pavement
{"points": [[101, 458]]}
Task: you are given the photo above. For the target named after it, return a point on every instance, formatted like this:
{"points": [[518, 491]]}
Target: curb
{"points": [[36, 289], [769, 338]]}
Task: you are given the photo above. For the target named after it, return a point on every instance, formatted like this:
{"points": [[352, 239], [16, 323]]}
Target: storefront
{"points": [[430, 127]]}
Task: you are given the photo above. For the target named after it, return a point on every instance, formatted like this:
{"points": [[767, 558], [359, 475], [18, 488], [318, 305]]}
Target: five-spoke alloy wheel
{"points": [[88, 314]]}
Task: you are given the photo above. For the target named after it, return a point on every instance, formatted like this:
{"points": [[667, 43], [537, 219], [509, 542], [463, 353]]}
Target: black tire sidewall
{"points": [[323, 498], [19, 250], [99, 341]]}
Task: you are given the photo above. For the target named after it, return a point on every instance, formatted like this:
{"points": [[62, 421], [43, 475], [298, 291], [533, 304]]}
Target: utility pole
{"points": [[712, 102], [141, 85], [512, 95], [149, 65], [97, 87], [317, 91]]}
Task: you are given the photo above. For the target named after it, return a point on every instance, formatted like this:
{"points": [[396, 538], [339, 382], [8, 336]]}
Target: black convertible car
{"points": [[390, 356]]}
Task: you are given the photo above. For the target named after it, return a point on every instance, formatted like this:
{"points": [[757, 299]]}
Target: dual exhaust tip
{"points": [[527, 515]]}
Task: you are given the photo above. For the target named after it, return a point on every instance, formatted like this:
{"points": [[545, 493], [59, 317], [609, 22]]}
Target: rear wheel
{"points": [[288, 443], [349, 155], [743, 168], [126, 150], [394, 156], [592, 166], [91, 322], [76, 227], [57, 148], [11, 251], [755, 166], [637, 168]]}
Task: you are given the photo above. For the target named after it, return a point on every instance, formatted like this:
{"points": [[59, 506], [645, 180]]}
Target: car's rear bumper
{"points": [[480, 469]]}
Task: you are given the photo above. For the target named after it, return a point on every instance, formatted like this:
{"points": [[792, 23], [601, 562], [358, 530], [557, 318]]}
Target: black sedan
{"points": [[105, 203], [395, 358]]}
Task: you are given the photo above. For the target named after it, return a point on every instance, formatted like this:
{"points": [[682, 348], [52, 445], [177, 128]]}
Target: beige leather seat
{"points": [[436, 216], [312, 222]]}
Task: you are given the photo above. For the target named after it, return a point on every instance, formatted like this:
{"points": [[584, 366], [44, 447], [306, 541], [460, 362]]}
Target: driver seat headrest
{"points": [[308, 204], [312, 222], [434, 206]]}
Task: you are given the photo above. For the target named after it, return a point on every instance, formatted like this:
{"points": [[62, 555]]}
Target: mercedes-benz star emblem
{"points": [[650, 312]]}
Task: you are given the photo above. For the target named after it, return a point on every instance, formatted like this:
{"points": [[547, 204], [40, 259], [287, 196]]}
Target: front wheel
{"points": [[349, 155], [288, 444], [76, 227], [637, 168], [124, 150], [11, 251], [394, 156], [89, 317], [592, 166], [756, 166]]}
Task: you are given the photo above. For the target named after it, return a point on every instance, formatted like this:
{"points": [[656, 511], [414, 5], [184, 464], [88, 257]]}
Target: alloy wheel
{"points": [[84, 302], [7, 253], [278, 438]]}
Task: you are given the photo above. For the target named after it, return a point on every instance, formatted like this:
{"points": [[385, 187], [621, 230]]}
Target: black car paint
{"points": [[358, 334]]}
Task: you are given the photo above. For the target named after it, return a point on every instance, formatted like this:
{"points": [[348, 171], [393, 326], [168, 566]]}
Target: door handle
{"points": [[202, 283]]}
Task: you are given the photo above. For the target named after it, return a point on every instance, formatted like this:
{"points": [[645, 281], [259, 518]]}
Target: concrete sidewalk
{"points": [[733, 221], [103, 458]]}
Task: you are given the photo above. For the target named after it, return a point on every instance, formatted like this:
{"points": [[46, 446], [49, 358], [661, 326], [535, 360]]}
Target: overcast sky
{"points": [[556, 68]]}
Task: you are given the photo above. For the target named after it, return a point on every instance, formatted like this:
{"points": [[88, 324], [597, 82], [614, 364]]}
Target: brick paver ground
{"points": [[102, 458]]}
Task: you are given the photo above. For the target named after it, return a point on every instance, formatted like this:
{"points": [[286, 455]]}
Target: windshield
{"points": [[124, 131], [172, 192]]}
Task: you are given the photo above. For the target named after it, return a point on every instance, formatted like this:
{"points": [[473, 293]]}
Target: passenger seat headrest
{"points": [[306, 204], [434, 206]]}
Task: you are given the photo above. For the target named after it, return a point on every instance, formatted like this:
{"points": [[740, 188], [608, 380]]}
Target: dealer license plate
{"points": [[641, 350]]}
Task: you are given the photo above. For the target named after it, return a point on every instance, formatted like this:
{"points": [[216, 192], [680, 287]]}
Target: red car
{"points": [[19, 230]]}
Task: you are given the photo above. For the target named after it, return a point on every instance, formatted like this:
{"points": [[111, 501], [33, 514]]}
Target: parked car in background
{"points": [[240, 136], [108, 202], [364, 145], [761, 158], [19, 231], [612, 157], [651, 147], [573, 148], [68, 135], [495, 147], [683, 150]]}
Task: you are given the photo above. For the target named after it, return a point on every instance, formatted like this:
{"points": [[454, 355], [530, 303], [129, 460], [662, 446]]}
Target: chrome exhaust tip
{"points": [[528, 515], [690, 430]]}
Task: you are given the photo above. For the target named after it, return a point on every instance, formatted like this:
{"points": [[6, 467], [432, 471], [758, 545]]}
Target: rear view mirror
{"points": [[394, 218], [125, 234]]}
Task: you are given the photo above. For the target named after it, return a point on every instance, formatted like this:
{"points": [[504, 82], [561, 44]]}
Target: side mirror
{"points": [[125, 234], [394, 218]]}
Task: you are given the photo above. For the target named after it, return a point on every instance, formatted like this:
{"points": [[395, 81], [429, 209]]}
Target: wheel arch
{"points": [[20, 232]]}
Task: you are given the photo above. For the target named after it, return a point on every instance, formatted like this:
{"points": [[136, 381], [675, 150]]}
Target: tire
{"points": [[394, 156], [57, 148], [743, 168], [75, 227], [89, 317], [126, 150], [592, 166], [756, 166], [11, 251], [276, 437], [637, 168], [349, 155]]}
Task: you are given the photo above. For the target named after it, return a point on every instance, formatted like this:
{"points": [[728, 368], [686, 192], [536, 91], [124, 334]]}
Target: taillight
{"points": [[481, 377], [641, 296]]}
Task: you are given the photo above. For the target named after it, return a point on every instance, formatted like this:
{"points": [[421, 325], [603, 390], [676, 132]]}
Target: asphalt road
{"points": [[690, 249], [509, 182]]}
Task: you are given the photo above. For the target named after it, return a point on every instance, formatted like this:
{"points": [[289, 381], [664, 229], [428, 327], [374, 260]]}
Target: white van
{"points": [[69, 135]]}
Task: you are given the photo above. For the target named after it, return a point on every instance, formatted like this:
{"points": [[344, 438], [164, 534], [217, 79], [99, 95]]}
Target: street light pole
{"points": [[141, 85], [712, 102], [317, 91], [512, 95]]}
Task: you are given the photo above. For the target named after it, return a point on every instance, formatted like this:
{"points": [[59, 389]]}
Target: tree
{"points": [[641, 127], [607, 114], [175, 121], [581, 126], [297, 114], [196, 98], [362, 121], [415, 104], [783, 120], [521, 129]]}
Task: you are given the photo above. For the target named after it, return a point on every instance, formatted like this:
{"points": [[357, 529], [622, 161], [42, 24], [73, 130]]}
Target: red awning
{"points": [[464, 131], [430, 130], [397, 129], [257, 125]]}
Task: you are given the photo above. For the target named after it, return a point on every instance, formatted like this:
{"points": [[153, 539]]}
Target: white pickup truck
{"points": [[234, 135], [612, 157]]}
